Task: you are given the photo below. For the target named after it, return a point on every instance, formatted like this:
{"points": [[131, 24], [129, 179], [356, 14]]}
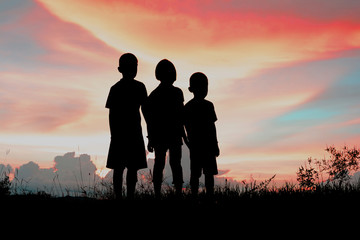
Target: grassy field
{"points": [[261, 209], [335, 201], [237, 197]]}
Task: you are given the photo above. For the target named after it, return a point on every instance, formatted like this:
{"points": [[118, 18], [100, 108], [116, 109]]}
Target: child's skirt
{"points": [[127, 153]]}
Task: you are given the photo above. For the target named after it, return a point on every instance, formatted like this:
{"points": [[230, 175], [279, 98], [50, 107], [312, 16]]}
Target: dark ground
{"points": [[295, 207], [185, 218]]}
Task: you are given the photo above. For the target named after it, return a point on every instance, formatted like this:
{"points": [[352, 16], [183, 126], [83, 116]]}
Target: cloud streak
{"points": [[326, 115], [262, 31]]}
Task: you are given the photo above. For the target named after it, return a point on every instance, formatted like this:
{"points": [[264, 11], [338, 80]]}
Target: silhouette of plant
{"points": [[5, 185], [338, 168], [341, 163], [307, 176]]}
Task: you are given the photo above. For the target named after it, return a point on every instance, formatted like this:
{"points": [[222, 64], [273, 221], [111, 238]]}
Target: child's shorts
{"points": [[202, 162]]}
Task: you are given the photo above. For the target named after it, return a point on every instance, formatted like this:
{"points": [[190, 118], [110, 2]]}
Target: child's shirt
{"points": [[199, 119], [124, 101], [127, 147], [163, 112]]}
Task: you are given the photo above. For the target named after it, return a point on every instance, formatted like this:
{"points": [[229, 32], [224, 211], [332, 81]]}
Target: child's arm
{"points": [[145, 110], [183, 132], [213, 132], [216, 145], [111, 122], [184, 136]]}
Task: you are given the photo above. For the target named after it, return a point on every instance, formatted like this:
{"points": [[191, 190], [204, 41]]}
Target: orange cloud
{"points": [[66, 44], [197, 33]]}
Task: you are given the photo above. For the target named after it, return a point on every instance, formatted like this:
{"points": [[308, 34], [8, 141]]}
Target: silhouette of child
{"points": [[199, 119], [163, 112], [127, 148]]}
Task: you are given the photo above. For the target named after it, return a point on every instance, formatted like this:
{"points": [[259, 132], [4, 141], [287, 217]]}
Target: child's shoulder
{"points": [[127, 87], [137, 84], [207, 102], [117, 84], [190, 103], [199, 103], [133, 84], [115, 88], [176, 93], [177, 90], [161, 91]]}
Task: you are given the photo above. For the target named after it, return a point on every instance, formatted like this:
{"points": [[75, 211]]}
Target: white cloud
{"points": [[76, 175], [5, 170], [69, 175]]}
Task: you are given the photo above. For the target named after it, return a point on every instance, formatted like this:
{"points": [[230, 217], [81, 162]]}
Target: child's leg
{"points": [[209, 184], [131, 179], [176, 169], [159, 165], [195, 172], [117, 181], [194, 183]]}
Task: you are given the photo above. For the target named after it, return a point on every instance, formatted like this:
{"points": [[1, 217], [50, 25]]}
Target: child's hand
{"points": [[150, 147], [186, 141]]}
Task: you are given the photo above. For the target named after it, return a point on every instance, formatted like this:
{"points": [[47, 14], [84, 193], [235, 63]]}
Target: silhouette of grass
{"points": [[253, 201], [252, 191], [240, 198]]}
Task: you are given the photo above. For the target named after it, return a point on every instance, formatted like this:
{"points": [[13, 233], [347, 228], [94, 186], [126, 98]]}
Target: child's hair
{"points": [[165, 70], [198, 80], [127, 59], [128, 63]]}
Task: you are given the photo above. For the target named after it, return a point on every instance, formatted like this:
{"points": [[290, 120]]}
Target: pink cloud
{"points": [[28, 106], [233, 38], [50, 73], [55, 43]]}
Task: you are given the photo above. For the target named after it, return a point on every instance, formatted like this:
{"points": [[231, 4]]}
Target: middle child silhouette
{"points": [[163, 112]]}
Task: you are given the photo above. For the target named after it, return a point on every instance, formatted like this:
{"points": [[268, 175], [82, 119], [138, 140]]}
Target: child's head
{"points": [[199, 85], [128, 64], [165, 71]]}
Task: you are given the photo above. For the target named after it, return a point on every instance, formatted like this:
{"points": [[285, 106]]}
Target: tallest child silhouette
{"points": [[163, 112], [127, 148]]}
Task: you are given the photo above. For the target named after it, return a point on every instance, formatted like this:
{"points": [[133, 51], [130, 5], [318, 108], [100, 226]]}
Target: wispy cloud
{"points": [[327, 115], [201, 31], [49, 71], [30, 106]]}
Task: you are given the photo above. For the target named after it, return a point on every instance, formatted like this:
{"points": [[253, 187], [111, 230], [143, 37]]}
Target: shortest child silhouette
{"points": [[200, 118]]}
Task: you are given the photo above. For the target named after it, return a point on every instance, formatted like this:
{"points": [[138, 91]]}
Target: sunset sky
{"points": [[284, 76]]}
